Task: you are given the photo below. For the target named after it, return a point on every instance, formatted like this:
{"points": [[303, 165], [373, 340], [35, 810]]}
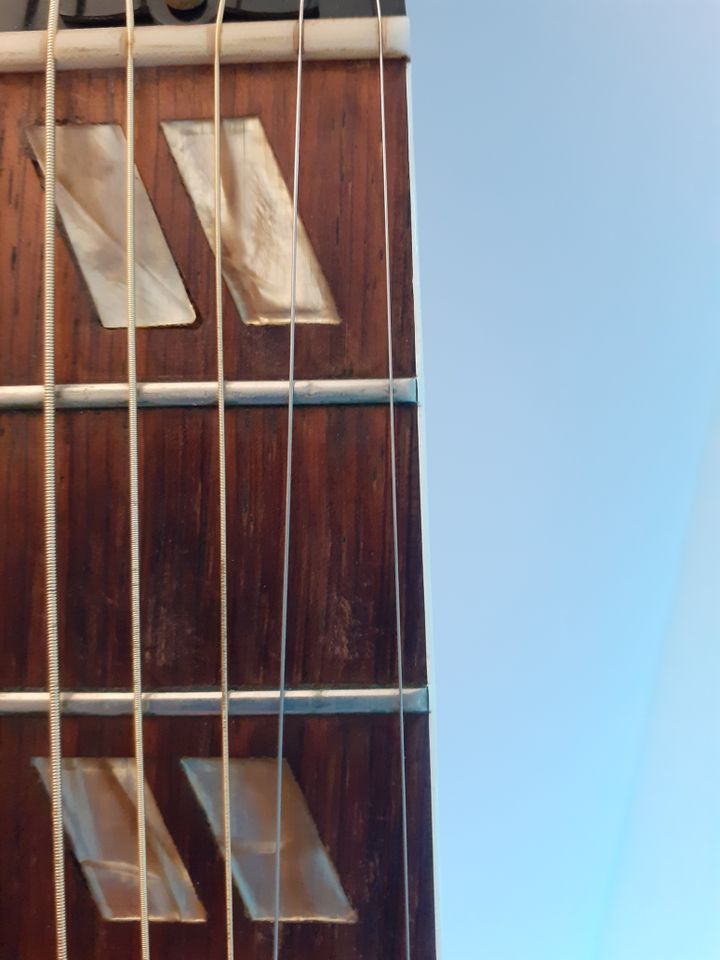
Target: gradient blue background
{"points": [[568, 186]]}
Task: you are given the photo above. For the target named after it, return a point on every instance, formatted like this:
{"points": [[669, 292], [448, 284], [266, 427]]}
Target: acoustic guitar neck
{"points": [[214, 707]]}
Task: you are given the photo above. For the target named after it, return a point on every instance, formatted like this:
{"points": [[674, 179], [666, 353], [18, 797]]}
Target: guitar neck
{"points": [[272, 546]]}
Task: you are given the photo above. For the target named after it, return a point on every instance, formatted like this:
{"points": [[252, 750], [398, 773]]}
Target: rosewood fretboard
{"points": [[342, 735]]}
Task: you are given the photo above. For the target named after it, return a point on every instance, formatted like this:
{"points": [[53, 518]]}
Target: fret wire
{"points": [[50, 493], [315, 701], [288, 483], [189, 393], [133, 490], [393, 491], [222, 491]]}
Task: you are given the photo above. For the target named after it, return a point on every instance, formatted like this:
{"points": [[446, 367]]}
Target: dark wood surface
{"points": [[341, 619], [341, 625], [340, 202], [348, 769]]}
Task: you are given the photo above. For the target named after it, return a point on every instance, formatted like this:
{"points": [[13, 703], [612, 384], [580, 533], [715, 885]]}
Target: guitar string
{"points": [[288, 481], [133, 487], [393, 491], [53, 657], [56, 761], [222, 484]]}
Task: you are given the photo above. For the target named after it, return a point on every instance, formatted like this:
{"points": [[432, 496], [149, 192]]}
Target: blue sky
{"points": [[568, 191]]}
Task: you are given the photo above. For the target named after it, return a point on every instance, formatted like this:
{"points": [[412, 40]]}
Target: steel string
{"points": [[50, 493], [393, 492], [222, 477], [288, 484], [136, 633]]}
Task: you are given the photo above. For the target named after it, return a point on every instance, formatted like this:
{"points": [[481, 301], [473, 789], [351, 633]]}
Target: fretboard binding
{"points": [[243, 703], [238, 393]]}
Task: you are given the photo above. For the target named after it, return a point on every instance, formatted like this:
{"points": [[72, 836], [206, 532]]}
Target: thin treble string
{"points": [[222, 475], [53, 658], [288, 484], [133, 488], [394, 497]]}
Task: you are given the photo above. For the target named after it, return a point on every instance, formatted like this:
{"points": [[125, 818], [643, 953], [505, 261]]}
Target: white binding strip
{"points": [[352, 38], [326, 701], [238, 393], [424, 521]]}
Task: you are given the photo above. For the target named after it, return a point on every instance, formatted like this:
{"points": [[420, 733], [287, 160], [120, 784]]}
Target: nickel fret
{"points": [[243, 703], [238, 393]]}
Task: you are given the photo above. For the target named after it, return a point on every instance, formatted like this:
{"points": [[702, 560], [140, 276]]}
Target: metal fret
{"points": [[200, 703], [238, 393]]}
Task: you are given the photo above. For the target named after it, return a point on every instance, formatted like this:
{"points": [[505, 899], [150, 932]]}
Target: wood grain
{"points": [[348, 769], [341, 615], [341, 627], [340, 202]]}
